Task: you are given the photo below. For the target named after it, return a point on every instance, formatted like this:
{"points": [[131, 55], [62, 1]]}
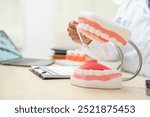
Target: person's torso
{"points": [[135, 16]]}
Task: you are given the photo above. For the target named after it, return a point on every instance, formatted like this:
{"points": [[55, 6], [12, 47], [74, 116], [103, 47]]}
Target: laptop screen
{"points": [[8, 50]]}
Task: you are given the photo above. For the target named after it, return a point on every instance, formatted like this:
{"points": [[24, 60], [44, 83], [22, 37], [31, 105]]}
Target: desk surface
{"points": [[20, 83]]}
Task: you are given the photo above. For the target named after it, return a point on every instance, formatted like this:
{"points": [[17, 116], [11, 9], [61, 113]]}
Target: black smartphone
{"points": [[147, 87]]}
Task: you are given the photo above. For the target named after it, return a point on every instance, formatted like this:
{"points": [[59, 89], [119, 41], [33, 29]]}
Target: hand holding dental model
{"points": [[135, 16], [72, 29], [93, 74], [101, 32]]}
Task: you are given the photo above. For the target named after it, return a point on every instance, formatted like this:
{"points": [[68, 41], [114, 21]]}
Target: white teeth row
{"points": [[94, 72], [87, 27]]}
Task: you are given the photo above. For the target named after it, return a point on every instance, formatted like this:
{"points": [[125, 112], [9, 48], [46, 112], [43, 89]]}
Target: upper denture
{"points": [[100, 29]]}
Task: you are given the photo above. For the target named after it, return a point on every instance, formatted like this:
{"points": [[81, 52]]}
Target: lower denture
{"points": [[96, 66]]}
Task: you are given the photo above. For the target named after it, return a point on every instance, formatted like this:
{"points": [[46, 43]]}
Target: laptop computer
{"points": [[10, 55]]}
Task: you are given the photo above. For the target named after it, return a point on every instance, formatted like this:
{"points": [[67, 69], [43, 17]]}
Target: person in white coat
{"points": [[135, 16]]}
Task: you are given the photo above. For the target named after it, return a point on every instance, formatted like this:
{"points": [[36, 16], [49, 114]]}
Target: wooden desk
{"points": [[20, 83]]}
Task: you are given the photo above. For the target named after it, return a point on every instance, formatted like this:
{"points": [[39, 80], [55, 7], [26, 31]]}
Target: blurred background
{"points": [[36, 26]]}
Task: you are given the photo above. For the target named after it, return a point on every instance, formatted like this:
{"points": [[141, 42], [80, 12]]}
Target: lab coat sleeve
{"points": [[121, 13]]}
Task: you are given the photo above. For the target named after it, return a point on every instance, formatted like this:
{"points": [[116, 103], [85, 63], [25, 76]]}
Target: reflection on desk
{"points": [[20, 83]]}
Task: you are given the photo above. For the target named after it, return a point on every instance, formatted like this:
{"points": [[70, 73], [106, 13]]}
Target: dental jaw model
{"points": [[96, 28], [94, 74]]}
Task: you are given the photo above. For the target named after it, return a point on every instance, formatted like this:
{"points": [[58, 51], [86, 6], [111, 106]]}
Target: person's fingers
{"points": [[71, 30], [77, 40], [72, 25], [75, 23], [73, 33], [74, 37]]}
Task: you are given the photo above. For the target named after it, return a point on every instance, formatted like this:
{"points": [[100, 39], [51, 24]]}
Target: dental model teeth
{"points": [[97, 28], [95, 75]]}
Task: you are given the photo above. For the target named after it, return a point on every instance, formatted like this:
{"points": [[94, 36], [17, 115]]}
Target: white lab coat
{"points": [[135, 16]]}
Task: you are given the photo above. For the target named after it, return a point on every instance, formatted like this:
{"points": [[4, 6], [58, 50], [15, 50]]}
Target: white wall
{"points": [[37, 27], [46, 21], [11, 20], [67, 10], [40, 25]]}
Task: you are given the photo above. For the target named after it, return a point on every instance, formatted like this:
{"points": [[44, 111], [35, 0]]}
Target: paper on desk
{"points": [[61, 70]]}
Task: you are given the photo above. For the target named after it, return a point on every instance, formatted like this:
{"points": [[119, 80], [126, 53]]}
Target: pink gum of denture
{"points": [[111, 80]]}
